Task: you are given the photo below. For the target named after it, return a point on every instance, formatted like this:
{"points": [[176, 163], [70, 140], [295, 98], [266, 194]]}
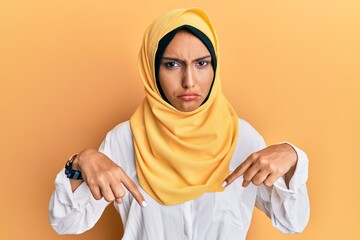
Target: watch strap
{"points": [[71, 173]]}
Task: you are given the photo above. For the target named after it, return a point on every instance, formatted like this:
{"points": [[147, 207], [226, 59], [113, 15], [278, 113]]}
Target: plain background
{"points": [[68, 74]]}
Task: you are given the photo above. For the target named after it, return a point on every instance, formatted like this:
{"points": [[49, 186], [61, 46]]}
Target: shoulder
{"points": [[118, 145], [118, 139], [121, 128], [247, 132], [249, 141], [121, 131]]}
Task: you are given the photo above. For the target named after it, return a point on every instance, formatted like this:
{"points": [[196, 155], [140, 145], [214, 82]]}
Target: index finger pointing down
{"points": [[131, 186], [240, 170]]}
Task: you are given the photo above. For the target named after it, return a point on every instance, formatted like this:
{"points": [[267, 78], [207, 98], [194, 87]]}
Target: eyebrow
{"points": [[179, 60]]}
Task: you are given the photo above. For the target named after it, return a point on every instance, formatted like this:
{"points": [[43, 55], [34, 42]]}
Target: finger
{"points": [[270, 180], [245, 183], [260, 177], [131, 186], [251, 172], [117, 189], [257, 172], [118, 200], [95, 191], [237, 172], [107, 193]]}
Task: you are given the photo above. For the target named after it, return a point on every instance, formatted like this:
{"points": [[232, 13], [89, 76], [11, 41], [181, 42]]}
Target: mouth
{"points": [[189, 96]]}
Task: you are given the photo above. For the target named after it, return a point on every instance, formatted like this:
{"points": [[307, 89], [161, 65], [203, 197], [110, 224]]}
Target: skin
{"points": [[104, 177], [266, 166], [185, 76], [186, 72]]}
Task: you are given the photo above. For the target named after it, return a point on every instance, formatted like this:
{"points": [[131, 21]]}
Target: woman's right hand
{"points": [[104, 177]]}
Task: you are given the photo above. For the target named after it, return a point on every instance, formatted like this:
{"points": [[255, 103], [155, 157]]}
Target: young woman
{"points": [[184, 166]]}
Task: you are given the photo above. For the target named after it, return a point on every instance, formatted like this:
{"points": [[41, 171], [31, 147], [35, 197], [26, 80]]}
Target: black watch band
{"points": [[70, 173]]}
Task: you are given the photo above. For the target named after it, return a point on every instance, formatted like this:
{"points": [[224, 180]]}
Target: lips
{"points": [[189, 96]]}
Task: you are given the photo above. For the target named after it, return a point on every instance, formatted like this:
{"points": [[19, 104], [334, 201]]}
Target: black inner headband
{"points": [[165, 41]]}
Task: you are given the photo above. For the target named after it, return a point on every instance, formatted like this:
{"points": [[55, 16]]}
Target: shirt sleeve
{"points": [[288, 208], [74, 212]]}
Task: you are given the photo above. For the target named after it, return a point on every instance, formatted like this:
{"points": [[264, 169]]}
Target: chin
{"points": [[187, 108]]}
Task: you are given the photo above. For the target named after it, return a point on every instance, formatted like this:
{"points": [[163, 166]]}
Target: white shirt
{"points": [[213, 216]]}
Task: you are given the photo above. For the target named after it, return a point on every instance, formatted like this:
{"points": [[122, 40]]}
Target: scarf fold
{"points": [[181, 155]]}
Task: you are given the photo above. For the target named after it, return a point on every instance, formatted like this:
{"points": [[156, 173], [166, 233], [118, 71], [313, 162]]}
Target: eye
{"points": [[171, 65], [202, 63]]}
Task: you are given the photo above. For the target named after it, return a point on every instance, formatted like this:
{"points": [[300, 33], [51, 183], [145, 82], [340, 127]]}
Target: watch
{"points": [[70, 173]]}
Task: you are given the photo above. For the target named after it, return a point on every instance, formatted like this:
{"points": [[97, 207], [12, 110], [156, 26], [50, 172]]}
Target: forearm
{"points": [[289, 211], [73, 212], [287, 203]]}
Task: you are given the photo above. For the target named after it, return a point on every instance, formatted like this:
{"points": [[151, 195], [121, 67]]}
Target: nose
{"points": [[188, 80]]}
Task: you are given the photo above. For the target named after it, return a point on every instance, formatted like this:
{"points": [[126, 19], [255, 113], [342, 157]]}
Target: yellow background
{"points": [[68, 75]]}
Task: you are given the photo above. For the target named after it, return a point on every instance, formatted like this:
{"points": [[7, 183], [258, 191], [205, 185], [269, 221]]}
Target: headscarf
{"points": [[181, 155]]}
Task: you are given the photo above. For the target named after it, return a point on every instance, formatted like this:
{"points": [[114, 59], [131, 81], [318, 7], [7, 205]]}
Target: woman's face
{"points": [[186, 72]]}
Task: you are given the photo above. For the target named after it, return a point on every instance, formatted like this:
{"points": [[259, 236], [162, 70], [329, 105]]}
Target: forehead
{"points": [[185, 41]]}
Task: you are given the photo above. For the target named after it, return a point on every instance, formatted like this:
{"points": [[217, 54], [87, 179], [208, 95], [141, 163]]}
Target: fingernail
{"points": [[143, 204], [224, 184]]}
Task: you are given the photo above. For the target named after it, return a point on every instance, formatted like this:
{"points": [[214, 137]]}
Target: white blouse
{"points": [[213, 216]]}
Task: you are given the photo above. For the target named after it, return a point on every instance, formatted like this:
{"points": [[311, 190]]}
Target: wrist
{"points": [[70, 169], [81, 157], [75, 163], [293, 150]]}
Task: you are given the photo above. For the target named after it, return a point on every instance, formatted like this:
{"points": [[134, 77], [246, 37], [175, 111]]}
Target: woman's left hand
{"points": [[266, 166]]}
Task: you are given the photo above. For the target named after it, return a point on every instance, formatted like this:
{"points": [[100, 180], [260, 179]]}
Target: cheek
{"points": [[208, 79], [167, 82]]}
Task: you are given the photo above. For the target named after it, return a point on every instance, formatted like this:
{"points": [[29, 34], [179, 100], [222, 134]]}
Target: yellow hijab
{"points": [[181, 155]]}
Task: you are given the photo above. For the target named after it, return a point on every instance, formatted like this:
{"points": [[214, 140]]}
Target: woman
{"points": [[175, 155]]}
